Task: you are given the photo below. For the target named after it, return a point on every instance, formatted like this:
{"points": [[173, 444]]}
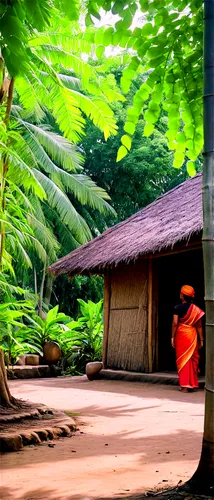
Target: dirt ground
{"points": [[132, 438]]}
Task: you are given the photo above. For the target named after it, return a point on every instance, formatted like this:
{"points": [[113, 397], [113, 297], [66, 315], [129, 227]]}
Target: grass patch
{"points": [[71, 413]]}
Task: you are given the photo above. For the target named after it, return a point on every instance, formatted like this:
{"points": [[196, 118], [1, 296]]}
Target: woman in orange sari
{"points": [[187, 338]]}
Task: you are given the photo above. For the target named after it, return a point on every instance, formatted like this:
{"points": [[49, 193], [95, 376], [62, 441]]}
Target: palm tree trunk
{"points": [[203, 479], [41, 294], [48, 289]]}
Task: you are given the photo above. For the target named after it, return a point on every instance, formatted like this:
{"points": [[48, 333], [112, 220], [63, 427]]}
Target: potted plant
{"points": [[44, 333]]}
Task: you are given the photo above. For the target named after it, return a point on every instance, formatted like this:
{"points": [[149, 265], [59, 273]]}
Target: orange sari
{"points": [[186, 346]]}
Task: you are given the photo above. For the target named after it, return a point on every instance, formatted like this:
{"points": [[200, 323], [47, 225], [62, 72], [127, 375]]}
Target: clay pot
{"points": [[93, 369], [52, 352], [32, 359]]}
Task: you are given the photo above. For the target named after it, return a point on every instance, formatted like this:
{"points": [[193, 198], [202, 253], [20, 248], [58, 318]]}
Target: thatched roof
{"points": [[172, 218]]}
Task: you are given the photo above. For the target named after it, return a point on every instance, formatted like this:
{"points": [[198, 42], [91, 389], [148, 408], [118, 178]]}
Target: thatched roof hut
{"points": [[145, 260], [172, 218]]}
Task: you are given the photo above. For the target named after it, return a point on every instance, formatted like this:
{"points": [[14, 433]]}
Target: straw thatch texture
{"points": [[128, 318], [174, 217]]}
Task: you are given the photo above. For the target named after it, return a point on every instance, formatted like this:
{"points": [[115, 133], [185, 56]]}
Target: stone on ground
{"points": [[93, 369]]}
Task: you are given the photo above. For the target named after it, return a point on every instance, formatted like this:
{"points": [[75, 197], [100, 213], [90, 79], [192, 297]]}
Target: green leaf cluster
{"points": [[19, 19], [168, 46]]}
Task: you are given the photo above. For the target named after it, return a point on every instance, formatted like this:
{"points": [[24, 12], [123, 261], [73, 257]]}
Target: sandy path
{"points": [[132, 437]]}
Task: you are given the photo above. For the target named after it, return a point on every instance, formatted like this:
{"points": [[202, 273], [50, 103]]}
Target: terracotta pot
{"points": [[52, 352]]}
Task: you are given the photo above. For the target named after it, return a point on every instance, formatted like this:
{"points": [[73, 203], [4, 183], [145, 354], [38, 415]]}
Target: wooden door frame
{"points": [[107, 301]]}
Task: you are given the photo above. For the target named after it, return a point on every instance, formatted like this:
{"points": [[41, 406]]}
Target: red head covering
{"points": [[188, 290]]}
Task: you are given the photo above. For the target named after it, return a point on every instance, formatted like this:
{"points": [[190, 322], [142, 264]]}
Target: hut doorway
{"points": [[174, 271]]}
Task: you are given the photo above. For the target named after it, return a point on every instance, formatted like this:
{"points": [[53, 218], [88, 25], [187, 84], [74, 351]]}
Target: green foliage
{"points": [[167, 45], [41, 330], [13, 332], [19, 19], [44, 168], [58, 73], [42, 178], [78, 287], [22, 331], [83, 343], [146, 172]]}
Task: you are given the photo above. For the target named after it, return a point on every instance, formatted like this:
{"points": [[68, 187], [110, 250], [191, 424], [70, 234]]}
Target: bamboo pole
{"points": [[107, 297], [150, 322], [203, 479]]}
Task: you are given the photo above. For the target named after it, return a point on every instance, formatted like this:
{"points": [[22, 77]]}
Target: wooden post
{"points": [[107, 296], [150, 322], [155, 314]]}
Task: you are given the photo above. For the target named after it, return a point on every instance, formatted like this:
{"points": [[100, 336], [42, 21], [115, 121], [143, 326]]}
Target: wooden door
{"points": [[128, 318]]}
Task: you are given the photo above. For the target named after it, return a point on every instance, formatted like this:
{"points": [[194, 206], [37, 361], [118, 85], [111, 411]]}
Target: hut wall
{"points": [[128, 318]]}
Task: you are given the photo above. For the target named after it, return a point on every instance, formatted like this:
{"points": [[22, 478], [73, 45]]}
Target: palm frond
{"points": [[17, 227], [9, 289], [43, 160], [57, 146], [77, 43], [64, 235], [86, 191], [7, 264], [16, 110], [38, 208], [29, 96], [22, 148], [21, 174], [56, 55], [21, 254], [39, 249], [67, 113], [60, 202], [45, 236], [70, 81], [98, 111], [20, 197]]}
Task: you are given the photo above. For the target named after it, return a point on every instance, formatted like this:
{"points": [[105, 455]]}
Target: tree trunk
{"points": [[41, 293], [203, 479], [48, 289], [6, 400], [9, 100]]}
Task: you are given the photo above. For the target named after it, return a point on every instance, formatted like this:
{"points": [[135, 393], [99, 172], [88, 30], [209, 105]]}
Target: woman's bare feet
{"points": [[183, 389]]}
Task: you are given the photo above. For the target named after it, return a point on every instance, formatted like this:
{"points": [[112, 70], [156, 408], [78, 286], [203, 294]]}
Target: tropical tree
{"points": [[168, 43], [37, 167], [36, 228], [48, 86], [144, 174], [57, 166]]}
